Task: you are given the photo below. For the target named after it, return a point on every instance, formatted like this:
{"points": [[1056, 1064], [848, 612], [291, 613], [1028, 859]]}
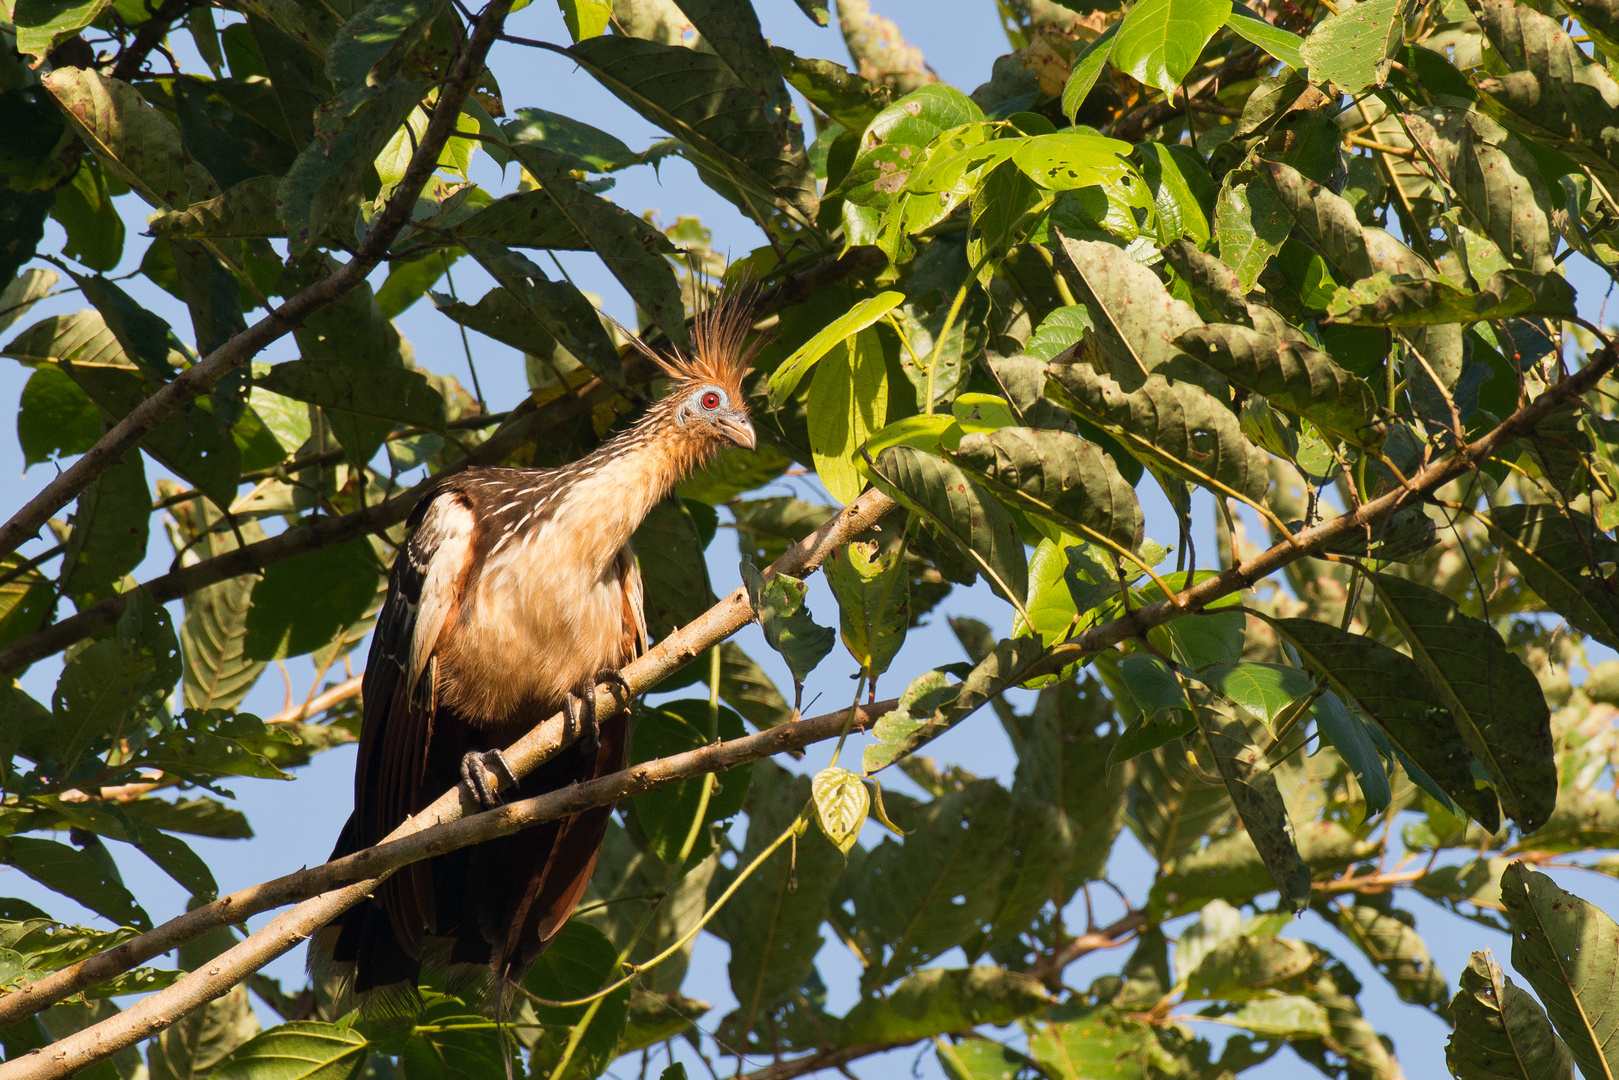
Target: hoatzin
{"points": [[515, 595]]}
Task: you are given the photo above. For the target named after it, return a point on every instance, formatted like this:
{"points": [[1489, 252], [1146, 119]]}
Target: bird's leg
{"points": [[483, 774], [581, 709]]}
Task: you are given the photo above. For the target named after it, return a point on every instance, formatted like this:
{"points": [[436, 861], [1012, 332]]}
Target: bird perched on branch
{"points": [[515, 595]]}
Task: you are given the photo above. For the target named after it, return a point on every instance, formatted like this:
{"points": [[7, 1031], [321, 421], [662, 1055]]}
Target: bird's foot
{"points": [[581, 710], [614, 681], [483, 774]]}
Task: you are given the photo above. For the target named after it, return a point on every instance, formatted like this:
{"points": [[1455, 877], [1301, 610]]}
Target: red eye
{"points": [[711, 400]]}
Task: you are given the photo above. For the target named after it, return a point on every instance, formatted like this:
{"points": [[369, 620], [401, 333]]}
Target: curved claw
{"points": [[614, 681], [484, 774]]}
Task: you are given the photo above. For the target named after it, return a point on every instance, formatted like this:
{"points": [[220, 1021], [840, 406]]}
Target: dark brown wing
{"points": [[396, 730]]}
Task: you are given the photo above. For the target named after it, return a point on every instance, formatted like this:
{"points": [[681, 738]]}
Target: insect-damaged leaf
{"points": [[1380, 300], [1560, 554], [1499, 1024], [874, 601], [960, 508], [1290, 374], [1566, 948], [1136, 318], [1252, 786], [1494, 698], [1394, 691], [1057, 476], [132, 139], [778, 604], [1177, 425], [841, 805], [1353, 48]]}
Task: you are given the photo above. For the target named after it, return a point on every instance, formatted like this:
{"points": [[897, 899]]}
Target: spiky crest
{"points": [[721, 351]]}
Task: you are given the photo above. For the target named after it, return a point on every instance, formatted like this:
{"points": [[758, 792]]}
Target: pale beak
{"points": [[738, 430]]}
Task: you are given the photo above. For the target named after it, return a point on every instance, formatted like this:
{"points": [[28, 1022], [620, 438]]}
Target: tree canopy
{"points": [[1311, 260]]}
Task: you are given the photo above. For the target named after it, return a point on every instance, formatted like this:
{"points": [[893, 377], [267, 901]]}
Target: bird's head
{"points": [[706, 407]]}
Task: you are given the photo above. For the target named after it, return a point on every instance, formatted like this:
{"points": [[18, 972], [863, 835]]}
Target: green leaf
{"points": [[874, 602], [1508, 294], [1559, 553], [1079, 1043], [848, 400], [745, 687], [1087, 69], [736, 130], [1291, 375], [778, 604], [594, 149], [849, 99], [675, 582], [978, 1058], [1251, 224], [41, 26], [350, 131], [785, 379], [942, 1001], [631, 248], [1501, 1031], [299, 1050], [1354, 48], [450, 1041], [961, 509], [1395, 692], [1171, 804], [1564, 946], [1057, 476], [25, 598], [1159, 40], [1230, 867], [199, 817], [303, 602], [1349, 734], [1136, 317], [109, 528], [1494, 698], [585, 18], [1252, 786], [668, 815], [1177, 425], [95, 232], [841, 805], [76, 875], [1395, 948], [773, 922], [1282, 44], [579, 961], [23, 292], [1494, 178], [245, 211], [132, 140], [1289, 1016], [362, 405], [217, 674], [918, 899], [1245, 967]]}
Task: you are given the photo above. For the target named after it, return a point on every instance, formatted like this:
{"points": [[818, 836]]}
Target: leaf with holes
{"points": [[1566, 948], [1499, 1024], [778, 604], [1354, 48]]}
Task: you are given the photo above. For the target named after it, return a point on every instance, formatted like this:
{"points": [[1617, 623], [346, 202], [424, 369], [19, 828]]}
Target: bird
{"points": [[514, 595]]}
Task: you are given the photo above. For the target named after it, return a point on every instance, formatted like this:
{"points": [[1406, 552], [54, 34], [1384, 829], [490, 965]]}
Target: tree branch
{"points": [[147, 37], [1049, 969], [544, 741], [241, 348]]}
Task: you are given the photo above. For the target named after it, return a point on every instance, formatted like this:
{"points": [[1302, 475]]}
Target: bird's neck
{"points": [[624, 478]]}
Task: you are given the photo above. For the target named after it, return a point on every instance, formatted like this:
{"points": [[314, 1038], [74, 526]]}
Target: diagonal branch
{"points": [[241, 348], [713, 626]]}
